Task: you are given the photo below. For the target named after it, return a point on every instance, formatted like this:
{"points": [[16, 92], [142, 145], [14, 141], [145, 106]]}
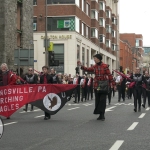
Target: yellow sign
{"points": [[50, 48]]}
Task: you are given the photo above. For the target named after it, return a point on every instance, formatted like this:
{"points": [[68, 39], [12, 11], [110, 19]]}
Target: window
{"points": [[113, 46], [83, 5], [87, 9], [94, 32], [102, 22], [34, 2], [137, 43], [34, 23], [78, 52], [83, 29], [108, 14], [94, 14], [102, 6], [108, 28], [61, 24], [60, 1], [114, 20], [87, 31], [108, 43], [102, 38], [113, 33]]}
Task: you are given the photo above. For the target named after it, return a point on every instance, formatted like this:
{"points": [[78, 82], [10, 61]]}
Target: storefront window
{"points": [[78, 52]]}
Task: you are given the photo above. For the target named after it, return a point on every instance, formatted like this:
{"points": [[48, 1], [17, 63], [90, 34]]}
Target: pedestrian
{"points": [[90, 87], [30, 78], [102, 77], [46, 78]]}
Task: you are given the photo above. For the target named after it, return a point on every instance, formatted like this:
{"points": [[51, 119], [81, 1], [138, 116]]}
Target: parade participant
{"points": [[83, 84], [70, 80], [65, 80], [146, 92], [102, 77], [121, 86], [77, 80], [30, 78], [54, 76], [90, 87], [7, 77], [46, 79], [60, 78], [138, 78]]}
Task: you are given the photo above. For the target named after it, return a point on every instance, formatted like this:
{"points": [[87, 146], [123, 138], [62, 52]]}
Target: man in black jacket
{"points": [[30, 78], [46, 79]]}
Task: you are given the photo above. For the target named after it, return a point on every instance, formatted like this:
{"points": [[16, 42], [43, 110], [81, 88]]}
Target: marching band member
{"points": [[120, 82], [146, 92], [138, 78]]}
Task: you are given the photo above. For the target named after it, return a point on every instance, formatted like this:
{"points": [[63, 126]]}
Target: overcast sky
{"points": [[135, 18]]}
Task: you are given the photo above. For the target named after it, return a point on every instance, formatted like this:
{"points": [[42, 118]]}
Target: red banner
{"points": [[14, 97]]}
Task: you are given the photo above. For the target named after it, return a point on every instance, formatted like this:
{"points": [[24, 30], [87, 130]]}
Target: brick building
{"points": [[78, 29], [16, 30], [135, 43]]}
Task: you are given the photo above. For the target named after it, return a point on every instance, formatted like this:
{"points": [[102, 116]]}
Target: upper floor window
{"points": [[113, 33], [108, 28], [108, 43], [34, 2], [94, 14], [137, 43], [114, 20], [108, 14], [113, 47], [94, 32], [102, 6], [60, 1], [87, 9], [34, 23], [102, 38], [102, 22]]}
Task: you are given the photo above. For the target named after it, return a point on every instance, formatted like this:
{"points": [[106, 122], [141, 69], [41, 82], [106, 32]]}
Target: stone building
{"points": [[16, 29]]}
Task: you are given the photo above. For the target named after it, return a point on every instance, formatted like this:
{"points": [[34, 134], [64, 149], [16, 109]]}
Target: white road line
{"points": [[88, 104], [30, 111], [39, 116], [147, 108], [109, 108], [117, 145], [74, 108], [133, 126], [9, 123], [142, 115]]}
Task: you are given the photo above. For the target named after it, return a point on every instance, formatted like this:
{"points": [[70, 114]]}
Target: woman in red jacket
{"points": [[102, 73]]}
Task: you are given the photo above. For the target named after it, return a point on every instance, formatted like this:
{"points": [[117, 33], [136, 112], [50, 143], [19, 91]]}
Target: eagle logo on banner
{"points": [[52, 102]]}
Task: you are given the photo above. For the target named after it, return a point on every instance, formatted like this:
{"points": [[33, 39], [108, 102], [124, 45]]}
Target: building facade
{"points": [[16, 30], [126, 58], [136, 43], [78, 30]]}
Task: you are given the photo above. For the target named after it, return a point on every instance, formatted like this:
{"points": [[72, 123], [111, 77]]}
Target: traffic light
{"points": [[51, 58]]}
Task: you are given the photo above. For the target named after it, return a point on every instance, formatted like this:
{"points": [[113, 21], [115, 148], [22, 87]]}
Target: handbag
{"points": [[103, 87]]}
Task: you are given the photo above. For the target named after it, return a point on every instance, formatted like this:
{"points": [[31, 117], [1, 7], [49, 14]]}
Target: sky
{"points": [[135, 18]]}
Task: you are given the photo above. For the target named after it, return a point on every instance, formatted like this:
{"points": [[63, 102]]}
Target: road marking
{"points": [[9, 123], [124, 104], [142, 115], [117, 145], [39, 116], [74, 108], [133, 126], [88, 104], [109, 109], [73, 104], [30, 111], [147, 108]]}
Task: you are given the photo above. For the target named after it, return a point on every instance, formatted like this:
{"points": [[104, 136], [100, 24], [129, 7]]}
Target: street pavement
{"points": [[75, 127]]}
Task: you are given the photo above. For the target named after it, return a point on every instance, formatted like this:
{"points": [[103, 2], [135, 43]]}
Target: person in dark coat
{"points": [[46, 79], [102, 73], [30, 78]]}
